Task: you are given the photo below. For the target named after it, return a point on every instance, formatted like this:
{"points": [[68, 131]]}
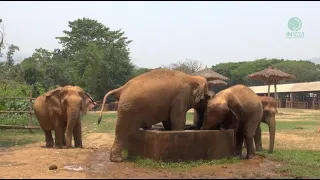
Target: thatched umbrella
{"points": [[271, 76], [210, 75], [217, 83]]}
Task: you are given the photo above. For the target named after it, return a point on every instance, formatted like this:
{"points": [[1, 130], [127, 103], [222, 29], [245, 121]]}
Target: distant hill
{"points": [[315, 60]]}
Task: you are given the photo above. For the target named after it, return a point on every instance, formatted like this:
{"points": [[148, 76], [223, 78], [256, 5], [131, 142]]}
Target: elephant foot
{"points": [[58, 147], [79, 146], [49, 145], [114, 158], [250, 156], [68, 147], [259, 149]]}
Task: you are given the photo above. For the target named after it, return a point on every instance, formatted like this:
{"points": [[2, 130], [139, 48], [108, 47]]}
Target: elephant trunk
{"points": [[272, 132], [72, 119]]}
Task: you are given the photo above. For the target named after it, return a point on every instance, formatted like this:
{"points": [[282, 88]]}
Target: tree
{"points": [[138, 71], [12, 49], [97, 57], [188, 66], [2, 34], [304, 71], [85, 31]]}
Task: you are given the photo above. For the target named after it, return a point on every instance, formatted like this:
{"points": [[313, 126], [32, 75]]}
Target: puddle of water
{"points": [[74, 168], [6, 163]]}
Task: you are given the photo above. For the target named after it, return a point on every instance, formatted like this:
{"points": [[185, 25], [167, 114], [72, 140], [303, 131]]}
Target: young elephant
{"points": [[160, 95], [269, 117], [60, 110], [238, 108]]}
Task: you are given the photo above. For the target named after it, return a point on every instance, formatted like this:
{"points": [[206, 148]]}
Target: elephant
{"points": [[60, 110], [269, 117], [113, 106], [160, 95], [238, 108]]}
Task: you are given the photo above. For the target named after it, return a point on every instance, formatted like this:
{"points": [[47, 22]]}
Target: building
{"points": [[294, 95]]}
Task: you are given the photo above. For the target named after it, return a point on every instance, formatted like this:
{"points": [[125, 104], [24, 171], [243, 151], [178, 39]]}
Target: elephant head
{"points": [[61, 98], [269, 117], [221, 113]]}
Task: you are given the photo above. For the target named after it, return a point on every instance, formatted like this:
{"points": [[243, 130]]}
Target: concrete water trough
{"points": [[177, 146]]}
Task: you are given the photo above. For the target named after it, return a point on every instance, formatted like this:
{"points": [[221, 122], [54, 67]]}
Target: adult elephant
{"points": [[60, 110], [269, 117], [238, 108], [160, 95]]}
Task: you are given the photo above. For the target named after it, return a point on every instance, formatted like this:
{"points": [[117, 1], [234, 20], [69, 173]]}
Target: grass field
{"points": [[297, 147]]}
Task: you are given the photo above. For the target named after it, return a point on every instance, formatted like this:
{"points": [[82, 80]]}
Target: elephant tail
{"points": [[115, 91]]}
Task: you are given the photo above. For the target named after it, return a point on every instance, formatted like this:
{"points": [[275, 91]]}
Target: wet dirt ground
{"points": [[33, 161]]}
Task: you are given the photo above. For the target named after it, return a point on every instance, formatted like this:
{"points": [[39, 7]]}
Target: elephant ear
{"points": [[53, 101], [199, 92], [87, 103], [225, 108]]}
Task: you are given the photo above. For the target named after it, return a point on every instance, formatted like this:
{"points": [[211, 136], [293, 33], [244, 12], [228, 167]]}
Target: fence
{"points": [[30, 112]]}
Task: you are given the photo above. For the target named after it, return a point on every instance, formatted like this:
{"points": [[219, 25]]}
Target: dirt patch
{"points": [[33, 161], [304, 140], [255, 168], [100, 167]]}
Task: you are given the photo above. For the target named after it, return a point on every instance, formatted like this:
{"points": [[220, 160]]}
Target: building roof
{"points": [[293, 87]]}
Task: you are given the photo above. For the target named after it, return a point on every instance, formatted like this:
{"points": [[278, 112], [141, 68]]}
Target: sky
{"points": [[166, 32]]}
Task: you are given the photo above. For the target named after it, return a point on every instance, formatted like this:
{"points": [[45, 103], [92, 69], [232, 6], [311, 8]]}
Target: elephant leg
{"points": [[122, 131], [167, 125], [239, 142], [58, 134], [250, 148], [64, 136], [250, 130], [49, 139], [257, 139], [77, 135], [178, 116]]}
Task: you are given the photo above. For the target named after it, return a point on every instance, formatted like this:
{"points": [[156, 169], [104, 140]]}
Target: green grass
{"points": [[107, 124], [149, 163], [298, 163], [283, 126], [18, 137]]}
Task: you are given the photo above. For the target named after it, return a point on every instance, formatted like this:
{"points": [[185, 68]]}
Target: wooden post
{"points": [[30, 108], [268, 89], [275, 92]]}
